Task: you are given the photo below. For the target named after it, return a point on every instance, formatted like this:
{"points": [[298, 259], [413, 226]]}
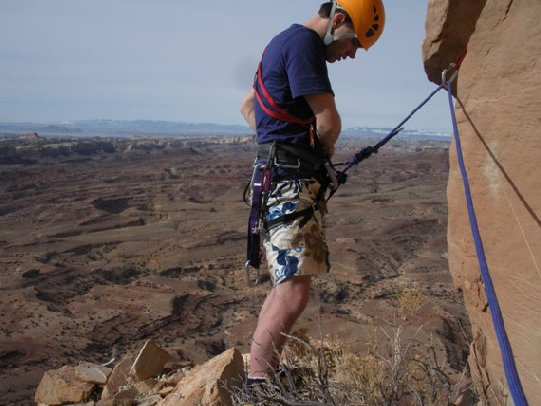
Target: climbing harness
{"points": [[276, 160], [330, 178]]}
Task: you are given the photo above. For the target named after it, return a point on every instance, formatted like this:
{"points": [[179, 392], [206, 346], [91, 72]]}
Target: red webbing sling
{"points": [[278, 112]]}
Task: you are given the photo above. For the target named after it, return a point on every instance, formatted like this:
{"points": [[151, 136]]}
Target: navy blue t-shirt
{"points": [[293, 65]]}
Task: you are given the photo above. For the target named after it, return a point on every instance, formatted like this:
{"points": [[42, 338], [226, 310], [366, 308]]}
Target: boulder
{"points": [[149, 362], [119, 377], [206, 384], [150, 400], [60, 386], [498, 118], [145, 387], [124, 397], [92, 373]]}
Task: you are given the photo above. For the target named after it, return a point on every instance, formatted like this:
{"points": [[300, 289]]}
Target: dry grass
{"points": [[324, 372], [410, 299]]}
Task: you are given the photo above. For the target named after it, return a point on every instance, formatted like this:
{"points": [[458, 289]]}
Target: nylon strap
{"points": [[306, 213], [275, 110]]}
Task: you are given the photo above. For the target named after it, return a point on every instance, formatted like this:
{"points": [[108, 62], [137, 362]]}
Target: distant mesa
{"points": [[30, 137], [153, 128], [123, 127]]}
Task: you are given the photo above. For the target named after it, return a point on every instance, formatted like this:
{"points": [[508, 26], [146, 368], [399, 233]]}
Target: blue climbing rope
{"points": [[511, 374], [367, 151]]}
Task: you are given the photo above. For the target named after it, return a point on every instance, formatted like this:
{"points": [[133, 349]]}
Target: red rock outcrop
{"points": [[62, 386], [145, 380], [499, 117], [207, 384]]}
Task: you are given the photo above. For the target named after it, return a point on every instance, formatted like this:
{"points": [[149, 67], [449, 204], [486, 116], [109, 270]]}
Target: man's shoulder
{"points": [[298, 32], [294, 39]]}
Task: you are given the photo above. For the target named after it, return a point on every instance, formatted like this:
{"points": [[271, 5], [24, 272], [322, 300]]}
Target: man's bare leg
{"points": [[281, 308]]}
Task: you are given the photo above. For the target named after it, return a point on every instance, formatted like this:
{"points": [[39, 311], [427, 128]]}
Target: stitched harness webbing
{"points": [[275, 110]]}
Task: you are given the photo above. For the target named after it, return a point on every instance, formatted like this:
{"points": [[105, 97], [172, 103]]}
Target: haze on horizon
{"points": [[174, 61]]}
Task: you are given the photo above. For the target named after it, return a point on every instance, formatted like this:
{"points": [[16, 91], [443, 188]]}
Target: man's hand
{"points": [[328, 120]]}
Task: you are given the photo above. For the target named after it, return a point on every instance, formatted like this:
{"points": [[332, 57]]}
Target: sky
{"points": [[174, 60]]}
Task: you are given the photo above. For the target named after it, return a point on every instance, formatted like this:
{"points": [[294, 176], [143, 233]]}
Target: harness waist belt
{"points": [[286, 155]]}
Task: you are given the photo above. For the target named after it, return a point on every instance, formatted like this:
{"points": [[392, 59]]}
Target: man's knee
{"points": [[296, 293]]}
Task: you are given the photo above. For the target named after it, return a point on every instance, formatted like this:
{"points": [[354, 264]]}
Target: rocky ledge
{"points": [[153, 377]]}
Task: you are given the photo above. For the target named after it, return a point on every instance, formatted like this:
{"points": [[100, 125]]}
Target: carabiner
{"points": [[453, 76], [249, 282]]}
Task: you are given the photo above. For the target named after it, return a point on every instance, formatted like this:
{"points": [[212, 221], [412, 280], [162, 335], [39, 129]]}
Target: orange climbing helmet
{"points": [[368, 18]]}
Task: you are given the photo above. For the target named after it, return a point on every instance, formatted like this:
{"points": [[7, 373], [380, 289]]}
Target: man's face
{"points": [[342, 48]]}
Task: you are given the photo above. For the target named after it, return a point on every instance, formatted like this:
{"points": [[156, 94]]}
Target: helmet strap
{"points": [[330, 38]]}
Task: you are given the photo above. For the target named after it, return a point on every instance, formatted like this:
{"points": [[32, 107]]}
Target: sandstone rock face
{"points": [[204, 385], [499, 86], [449, 25]]}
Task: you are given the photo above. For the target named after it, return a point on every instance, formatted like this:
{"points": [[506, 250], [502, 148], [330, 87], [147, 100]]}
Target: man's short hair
{"points": [[325, 12]]}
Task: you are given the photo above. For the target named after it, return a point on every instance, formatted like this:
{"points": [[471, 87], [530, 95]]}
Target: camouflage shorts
{"points": [[295, 248]]}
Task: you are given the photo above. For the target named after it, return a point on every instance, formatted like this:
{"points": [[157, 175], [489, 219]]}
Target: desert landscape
{"points": [[106, 242]]}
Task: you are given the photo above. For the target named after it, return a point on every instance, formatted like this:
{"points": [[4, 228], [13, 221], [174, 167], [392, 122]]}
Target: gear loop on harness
{"points": [[269, 167], [260, 186]]}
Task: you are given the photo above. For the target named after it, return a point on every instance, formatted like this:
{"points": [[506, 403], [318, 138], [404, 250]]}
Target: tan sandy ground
{"points": [[99, 254]]}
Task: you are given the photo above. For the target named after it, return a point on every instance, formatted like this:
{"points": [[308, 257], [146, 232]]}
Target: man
{"points": [[293, 110]]}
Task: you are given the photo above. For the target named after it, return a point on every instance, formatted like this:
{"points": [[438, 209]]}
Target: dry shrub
{"points": [[325, 372], [410, 299]]}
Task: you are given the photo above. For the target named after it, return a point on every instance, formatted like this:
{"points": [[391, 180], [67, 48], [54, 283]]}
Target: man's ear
{"points": [[338, 20]]}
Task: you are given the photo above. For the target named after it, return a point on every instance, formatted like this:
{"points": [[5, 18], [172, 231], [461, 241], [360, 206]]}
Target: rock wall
{"points": [[499, 117]]}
